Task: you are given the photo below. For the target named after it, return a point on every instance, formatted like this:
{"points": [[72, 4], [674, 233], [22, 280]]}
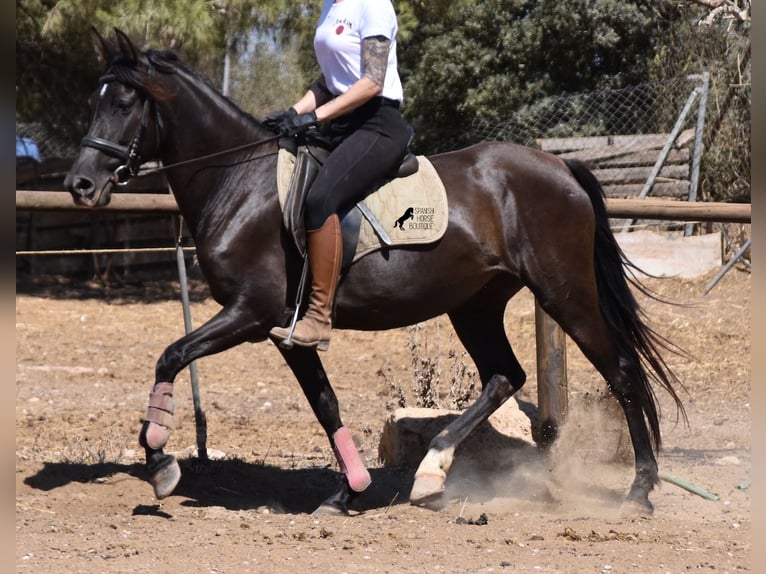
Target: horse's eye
{"points": [[125, 104], [125, 100]]}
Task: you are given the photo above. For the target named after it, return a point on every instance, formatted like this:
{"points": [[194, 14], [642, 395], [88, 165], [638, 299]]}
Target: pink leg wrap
{"points": [[159, 415], [349, 460]]}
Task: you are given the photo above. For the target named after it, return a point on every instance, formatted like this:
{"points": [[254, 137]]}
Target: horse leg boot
{"points": [[356, 476], [325, 253], [164, 472]]}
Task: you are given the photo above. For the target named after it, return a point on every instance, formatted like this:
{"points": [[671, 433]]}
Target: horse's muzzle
{"points": [[85, 192]]}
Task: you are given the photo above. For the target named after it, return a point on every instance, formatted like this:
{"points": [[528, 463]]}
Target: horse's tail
{"points": [[623, 315]]}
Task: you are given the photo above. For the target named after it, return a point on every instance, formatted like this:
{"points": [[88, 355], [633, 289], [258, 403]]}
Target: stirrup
{"points": [[287, 343]]}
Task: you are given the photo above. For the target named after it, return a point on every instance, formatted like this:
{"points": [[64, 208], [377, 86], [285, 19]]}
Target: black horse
{"points": [[518, 218]]}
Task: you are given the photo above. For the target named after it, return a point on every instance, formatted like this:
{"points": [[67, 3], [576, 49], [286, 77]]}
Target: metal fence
{"points": [[649, 108], [49, 145]]}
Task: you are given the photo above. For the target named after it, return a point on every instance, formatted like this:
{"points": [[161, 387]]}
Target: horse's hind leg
{"points": [[579, 315], [230, 327], [308, 369], [479, 325]]}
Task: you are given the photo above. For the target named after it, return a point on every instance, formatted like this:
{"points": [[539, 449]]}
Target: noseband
{"points": [[128, 154]]}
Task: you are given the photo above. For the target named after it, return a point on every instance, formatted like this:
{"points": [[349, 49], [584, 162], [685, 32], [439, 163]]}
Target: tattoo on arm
{"points": [[375, 58]]}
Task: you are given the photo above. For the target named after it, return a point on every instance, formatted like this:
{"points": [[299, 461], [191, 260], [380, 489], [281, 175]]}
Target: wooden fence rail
{"points": [[665, 209]]}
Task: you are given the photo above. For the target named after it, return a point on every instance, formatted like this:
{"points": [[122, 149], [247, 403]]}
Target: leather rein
{"points": [[130, 154]]}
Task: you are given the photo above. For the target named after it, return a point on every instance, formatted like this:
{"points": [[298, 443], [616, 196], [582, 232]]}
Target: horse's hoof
{"points": [[632, 507], [165, 479], [428, 490], [330, 510]]}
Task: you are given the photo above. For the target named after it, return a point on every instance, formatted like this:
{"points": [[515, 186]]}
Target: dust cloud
{"points": [[587, 471]]}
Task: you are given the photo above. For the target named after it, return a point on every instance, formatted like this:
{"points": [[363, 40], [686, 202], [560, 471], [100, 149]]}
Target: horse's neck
{"points": [[199, 122]]}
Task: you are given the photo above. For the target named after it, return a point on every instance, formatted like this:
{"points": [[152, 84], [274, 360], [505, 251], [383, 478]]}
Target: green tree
{"points": [[488, 58], [50, 74]]}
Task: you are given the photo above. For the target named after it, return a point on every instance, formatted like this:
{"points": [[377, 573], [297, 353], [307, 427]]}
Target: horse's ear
{"points": [[106, 50], [127, 47]]}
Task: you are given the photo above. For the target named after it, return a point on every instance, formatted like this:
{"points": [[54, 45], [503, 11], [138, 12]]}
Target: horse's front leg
{"points": [[230, 327], [307, 368], [431, 475]]}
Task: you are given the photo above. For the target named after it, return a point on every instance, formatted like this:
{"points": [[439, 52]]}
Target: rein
{"points": [[215, 154], [130, 154]]}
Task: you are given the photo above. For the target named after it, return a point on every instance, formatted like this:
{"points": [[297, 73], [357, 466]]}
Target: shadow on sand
{"points": [[238, 485]]}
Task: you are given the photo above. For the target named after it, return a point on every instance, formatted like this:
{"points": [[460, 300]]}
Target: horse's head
{"points": [[124, 130]]}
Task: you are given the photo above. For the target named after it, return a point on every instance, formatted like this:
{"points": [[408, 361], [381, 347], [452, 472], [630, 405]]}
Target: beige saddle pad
{"points": [[410, 210]]}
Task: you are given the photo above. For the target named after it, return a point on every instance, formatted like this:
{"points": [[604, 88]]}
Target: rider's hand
{"points": [[292, 125], [274, 118]]}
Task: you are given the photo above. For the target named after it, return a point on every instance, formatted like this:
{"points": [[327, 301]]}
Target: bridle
{"points": [[130, 154]]}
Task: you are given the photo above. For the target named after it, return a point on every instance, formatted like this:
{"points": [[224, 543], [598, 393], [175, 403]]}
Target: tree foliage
{"points": [[720, 46], [489, 58], [50, 72]]}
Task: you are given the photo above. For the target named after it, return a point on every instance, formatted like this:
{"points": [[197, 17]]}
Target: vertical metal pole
{"points": [[552, 399], [697, 158], [199, 415], [227, 68]]}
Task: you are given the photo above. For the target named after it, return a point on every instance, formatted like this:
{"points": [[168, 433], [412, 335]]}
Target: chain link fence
{"points": [[649, 108], [638, 140], [47, 143], [626, 135]]}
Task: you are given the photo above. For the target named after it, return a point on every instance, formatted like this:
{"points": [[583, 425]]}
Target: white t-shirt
{"points": [[338, 42]]}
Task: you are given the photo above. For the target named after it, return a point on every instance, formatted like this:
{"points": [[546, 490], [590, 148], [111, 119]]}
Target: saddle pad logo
{"points": [[407, 215], [416, 218]]}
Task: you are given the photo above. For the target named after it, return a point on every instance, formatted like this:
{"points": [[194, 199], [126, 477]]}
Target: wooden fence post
{"points": [[552, 397]]}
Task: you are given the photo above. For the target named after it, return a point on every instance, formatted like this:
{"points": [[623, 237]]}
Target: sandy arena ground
{"points": [[85, 357]]}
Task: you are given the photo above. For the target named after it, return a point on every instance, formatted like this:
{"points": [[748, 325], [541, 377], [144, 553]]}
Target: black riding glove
{"points": [[274, 118], [292, 125]]}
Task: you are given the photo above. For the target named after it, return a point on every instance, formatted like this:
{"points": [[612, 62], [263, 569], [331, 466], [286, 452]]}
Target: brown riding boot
{"points": [[325, 253]]}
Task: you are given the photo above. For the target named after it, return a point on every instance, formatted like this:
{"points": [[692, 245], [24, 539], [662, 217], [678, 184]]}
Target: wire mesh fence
{"points": [[649, 108], [640, 141], [37, 139]]}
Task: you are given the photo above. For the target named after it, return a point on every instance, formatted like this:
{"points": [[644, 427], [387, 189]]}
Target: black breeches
{"points": [[364, 158]]}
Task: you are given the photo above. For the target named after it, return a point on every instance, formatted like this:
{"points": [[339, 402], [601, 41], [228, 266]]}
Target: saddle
{"points": [[412, 198], [309, 155]]}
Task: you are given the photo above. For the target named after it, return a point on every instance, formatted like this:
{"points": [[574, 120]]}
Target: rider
{"points": [[356, 98]]}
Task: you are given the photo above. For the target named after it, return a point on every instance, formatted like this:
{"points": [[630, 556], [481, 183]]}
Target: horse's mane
{"points": [[125, 71], [153, 84]]}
